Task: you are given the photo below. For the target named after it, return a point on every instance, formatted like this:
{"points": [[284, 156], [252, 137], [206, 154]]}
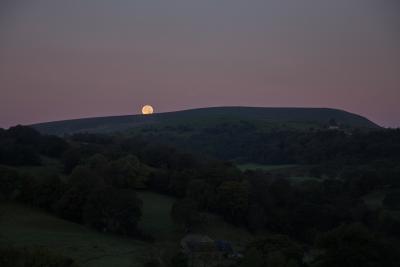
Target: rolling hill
{"points": [[310, 117]]}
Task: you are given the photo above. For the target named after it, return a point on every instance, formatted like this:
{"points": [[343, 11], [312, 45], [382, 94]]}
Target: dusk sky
{"points": [[84, 58]]}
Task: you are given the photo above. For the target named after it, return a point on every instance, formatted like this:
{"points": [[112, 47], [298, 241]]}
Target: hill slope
{"points": [[27, 227], [203, 116]]}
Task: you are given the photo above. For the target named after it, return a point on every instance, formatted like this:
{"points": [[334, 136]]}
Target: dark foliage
{"points": [[22, 145], [113, 210], [13, 257], [100, 175], [354, 245]]}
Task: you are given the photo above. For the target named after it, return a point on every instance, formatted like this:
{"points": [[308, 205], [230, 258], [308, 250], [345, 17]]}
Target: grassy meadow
{"points": [[24, 226], [255, 166], [156, 219]]}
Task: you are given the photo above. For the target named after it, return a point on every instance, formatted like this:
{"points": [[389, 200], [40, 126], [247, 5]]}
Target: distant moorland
{"points": [[204, 117]]}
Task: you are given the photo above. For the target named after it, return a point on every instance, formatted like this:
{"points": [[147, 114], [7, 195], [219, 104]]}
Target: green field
{"points": [[216, 228], [294, 173], [23, 226], [156, 219], [254, 166]]}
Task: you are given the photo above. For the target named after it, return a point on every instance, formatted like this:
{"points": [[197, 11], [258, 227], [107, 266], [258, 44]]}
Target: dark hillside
{"points": [[308, 117]]}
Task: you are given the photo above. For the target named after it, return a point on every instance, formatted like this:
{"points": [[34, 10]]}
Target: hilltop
{"points": [[202, 117]]}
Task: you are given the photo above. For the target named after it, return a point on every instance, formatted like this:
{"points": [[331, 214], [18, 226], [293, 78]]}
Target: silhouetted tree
{"points": [[113, 210]]}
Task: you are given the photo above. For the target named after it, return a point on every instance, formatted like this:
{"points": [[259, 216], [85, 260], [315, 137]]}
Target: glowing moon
{"points": [[147, 109]]}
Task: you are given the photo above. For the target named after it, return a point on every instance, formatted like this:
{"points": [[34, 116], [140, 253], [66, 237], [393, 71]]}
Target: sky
{"points": [[71, 59]]}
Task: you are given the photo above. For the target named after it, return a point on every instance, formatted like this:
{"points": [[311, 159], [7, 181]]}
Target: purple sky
{"points": [[72, 59]]}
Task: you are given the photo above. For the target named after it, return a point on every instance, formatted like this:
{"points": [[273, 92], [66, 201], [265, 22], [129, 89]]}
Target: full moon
{"points": [[147, 109]]}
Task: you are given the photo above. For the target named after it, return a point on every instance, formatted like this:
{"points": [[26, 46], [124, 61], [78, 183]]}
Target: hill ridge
{"points": [[107, 124]]}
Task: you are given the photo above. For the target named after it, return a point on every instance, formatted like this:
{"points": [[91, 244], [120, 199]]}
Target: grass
{"points": [[23, 226], [293, 172], [156, 219], [300, 179], [216, 228], [254, 166]]}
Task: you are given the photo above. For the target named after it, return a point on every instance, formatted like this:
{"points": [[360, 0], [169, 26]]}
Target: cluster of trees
{"points": [[98, 176], [273, 250], [95, 190], [354, 245], [246, 141], [347, 245], [82, 197], [23, 146]]}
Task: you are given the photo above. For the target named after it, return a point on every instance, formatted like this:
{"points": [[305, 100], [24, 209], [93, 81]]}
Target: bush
{"points": [[113, 210], [11, 183], [12, 257], [273, 250], [354, 245]]}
